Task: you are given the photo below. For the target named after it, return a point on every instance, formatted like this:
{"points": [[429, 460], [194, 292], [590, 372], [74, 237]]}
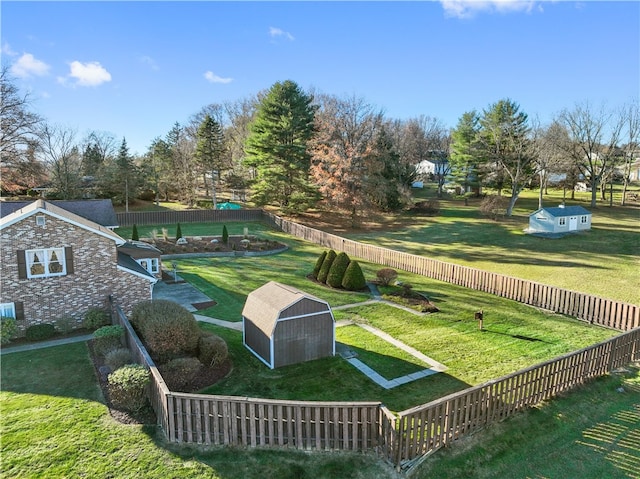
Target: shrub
{"points": [[179, 372], [225, 235], [326, 266], [494, 206], [65, 324], [107, 338], [386, 275], [116, 358], [212, 350], [353, 278], [38, 332], [178, 232], [167, 329], [318, 265], [127, 387], [134, 233], [407, 290], [337, 270], [427, 207], [8, 329], [96, 318]]}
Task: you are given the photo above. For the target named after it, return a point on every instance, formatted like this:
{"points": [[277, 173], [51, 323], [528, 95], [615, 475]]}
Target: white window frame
{"points": [[8, 310], [44, 257], [584, 219], [562, 221], [152, 265]]}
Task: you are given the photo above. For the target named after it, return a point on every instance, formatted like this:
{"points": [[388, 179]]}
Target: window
{"points": [[8, 310], [152, 265], [40, 220], [42, 263], [562, 221], [584, 219]]}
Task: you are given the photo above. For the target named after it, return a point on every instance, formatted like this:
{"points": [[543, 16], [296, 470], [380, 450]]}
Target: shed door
{"points": [[573, 223]]}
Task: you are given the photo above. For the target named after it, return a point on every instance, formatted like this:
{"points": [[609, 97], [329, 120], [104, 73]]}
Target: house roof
{"points": [[129, 264], [559, 211], [263, 305], [98, 211], [50, 209], [140, 249]]}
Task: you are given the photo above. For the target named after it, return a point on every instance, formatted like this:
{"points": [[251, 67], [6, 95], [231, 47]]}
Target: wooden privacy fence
{"points": [[187, 216], [424, 429], [605, 312], [242, 421]]}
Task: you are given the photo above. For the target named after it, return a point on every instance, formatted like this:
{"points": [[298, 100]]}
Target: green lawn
{"points": [[54, 424], [603, 262]]}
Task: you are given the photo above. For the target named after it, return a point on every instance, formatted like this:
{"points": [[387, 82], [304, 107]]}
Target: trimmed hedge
{"points": [[95, 318], [354, 278], [177, 373], [8, 329], [116, 358], [316, 268], [326, 266], [128, 387], [39, 332], [337, 270], [108, 338], [212, 350], [168, 330]]}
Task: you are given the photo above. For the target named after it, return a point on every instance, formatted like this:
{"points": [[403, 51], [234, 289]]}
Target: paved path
{"points": [[44, 344]]}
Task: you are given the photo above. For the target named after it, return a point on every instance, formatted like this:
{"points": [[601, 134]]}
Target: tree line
{"points": [[295, 149]]}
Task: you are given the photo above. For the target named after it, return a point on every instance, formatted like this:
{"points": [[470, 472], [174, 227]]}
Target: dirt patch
{"points": [[204, 305]]}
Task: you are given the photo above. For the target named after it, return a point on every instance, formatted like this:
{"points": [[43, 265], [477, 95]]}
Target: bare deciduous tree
{"points": [[631, 147], [59, 151]]}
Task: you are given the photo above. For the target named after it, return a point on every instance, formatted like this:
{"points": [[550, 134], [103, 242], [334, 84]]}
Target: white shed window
{"points": [[42, 263], [584, 219], [562, 221], [8, 310], [152, 265]]}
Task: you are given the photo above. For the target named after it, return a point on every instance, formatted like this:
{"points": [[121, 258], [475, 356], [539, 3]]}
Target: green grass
{"points": [[54, 424], [590, 433], [603, 261], [380, 355]]}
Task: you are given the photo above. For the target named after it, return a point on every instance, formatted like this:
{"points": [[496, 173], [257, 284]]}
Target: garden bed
{"points": [[214, 244], [409, 298]]}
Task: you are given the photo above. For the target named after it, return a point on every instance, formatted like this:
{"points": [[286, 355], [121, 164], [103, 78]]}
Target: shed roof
{"points": [[263, 305], [129, 264], [559, 211], [98, 211]]}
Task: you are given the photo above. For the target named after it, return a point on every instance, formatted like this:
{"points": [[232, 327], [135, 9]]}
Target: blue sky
{"points": [[135, 68]]}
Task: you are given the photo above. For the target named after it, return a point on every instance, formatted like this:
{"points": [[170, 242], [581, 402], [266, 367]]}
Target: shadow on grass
{"points": [[516, 336], [389, 367]]}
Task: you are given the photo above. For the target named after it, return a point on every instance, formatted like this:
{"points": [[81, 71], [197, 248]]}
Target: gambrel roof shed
{"points": [[283, 325]]}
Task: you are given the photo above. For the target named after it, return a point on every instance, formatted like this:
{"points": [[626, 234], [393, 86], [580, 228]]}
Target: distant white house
{"points": [[559, 219]]}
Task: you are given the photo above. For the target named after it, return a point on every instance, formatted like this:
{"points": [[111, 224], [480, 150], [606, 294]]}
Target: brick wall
{"points": [[95, 277]]}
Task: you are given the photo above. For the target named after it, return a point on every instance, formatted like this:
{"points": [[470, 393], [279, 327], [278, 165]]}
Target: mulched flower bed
{"points": [[206, 376], [214, 244], [412, 299]]}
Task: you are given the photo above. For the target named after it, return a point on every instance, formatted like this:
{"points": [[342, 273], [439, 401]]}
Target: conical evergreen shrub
{"points": [[326, 266], [353, 277], [134, 233], [225, 234], [337, 270], [316, 268], [178, 232]]}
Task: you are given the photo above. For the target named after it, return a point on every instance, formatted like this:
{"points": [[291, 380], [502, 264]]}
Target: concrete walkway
{"points": [[44, 344]]}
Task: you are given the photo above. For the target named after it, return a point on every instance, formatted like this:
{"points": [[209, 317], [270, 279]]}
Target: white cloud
{"points": [[89, 74], [213, 78], [28, 65], [150, 62], [468, 8], [277, 32], [6, 50]]}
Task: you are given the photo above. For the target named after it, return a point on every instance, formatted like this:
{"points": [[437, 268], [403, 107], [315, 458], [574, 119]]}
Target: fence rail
{"points": [[593, 309], [186, 216]]}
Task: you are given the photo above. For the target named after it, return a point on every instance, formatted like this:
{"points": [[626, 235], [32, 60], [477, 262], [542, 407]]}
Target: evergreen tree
{"points": [[316, 268], [210, 151], [353, 277], [326, 266], [225, 235], [464, 152], [277, 148], [337, 270], [178, 232], [384, 186], [134, 233]]}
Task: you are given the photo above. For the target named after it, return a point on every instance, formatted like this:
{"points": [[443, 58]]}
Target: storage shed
{"points": [[282, 325], [559, 219]]}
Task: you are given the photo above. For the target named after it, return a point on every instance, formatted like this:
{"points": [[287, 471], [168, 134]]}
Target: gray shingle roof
{"points": [[557, 211], [127, 262], [98, 211]]}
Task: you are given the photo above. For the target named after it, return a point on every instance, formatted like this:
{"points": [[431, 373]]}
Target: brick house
{"points": [[55, 263]]}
